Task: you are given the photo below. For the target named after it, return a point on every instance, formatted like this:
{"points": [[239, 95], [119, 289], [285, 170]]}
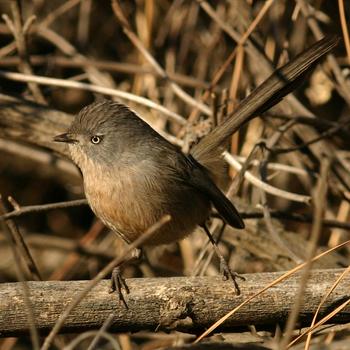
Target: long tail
{"points": [[270, 92]]}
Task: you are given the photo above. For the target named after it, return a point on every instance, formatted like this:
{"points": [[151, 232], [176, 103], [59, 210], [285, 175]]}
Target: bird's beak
{"points": [[67, 137]]}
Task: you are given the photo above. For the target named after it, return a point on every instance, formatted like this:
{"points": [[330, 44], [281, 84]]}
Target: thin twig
{"points": [[42, 207], [93, 88], [19, 258], [73, 258], [275, 236], [147, 55], [278, 280], [270, 144], [83, 336], [328, 133], [287, 215], [320, 205], [20, 244], [342, 86], [322, 321], [263, 185], [17, 28], [103, 273], [110, 66], [308, 331], [277, 166], [344, 27], [103, 329], [240, 41], [59, 11]]}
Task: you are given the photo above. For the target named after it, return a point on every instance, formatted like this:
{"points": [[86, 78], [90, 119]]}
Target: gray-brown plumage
{"points": [[133, 176]]}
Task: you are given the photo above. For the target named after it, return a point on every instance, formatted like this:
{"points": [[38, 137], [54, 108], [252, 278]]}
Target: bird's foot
{"points": [[119, 285], [228, 274]]}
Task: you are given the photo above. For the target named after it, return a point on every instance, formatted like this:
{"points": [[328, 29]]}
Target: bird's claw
{"points": [[228, 274], [118, 284]]}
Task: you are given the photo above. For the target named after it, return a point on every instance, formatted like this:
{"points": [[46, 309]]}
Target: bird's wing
{"points": [[199, 178]]}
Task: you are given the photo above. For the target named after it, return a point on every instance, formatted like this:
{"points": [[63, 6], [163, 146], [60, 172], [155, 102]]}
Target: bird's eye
{"points": [[96, 139]]}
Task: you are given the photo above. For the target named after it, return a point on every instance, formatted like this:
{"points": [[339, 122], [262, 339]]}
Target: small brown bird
{"points": [[133, 176]]}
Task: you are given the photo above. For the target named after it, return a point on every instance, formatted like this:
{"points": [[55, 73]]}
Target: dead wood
{"points": [[32, 123], [180, 303]]}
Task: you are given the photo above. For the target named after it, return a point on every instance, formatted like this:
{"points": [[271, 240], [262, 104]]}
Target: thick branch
{"points": [[33, 123], [190, 304]]}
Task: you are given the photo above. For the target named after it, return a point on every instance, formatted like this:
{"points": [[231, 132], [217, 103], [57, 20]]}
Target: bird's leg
{"points": [[118, 282], [224, 268]]}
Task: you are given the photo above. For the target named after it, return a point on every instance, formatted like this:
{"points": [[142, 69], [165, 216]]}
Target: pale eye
{"points": [[96, 139]]}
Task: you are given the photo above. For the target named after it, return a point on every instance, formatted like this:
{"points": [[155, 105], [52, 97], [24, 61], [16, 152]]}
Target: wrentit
{"points": [[133, 176]]}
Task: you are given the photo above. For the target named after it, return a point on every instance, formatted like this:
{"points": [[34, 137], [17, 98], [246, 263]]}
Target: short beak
{"points": [[65, 138]]}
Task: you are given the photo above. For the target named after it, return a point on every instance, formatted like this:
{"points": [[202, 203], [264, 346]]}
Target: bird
{"points": [[133, 176]]}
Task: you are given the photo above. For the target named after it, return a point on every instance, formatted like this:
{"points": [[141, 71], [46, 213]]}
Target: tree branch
{"points": [[181, 303]]}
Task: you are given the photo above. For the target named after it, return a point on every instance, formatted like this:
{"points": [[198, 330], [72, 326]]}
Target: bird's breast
{"points": [[129, 202]]}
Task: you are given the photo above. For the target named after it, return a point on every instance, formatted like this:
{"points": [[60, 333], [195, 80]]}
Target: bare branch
{"points": [[188, 304]]}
